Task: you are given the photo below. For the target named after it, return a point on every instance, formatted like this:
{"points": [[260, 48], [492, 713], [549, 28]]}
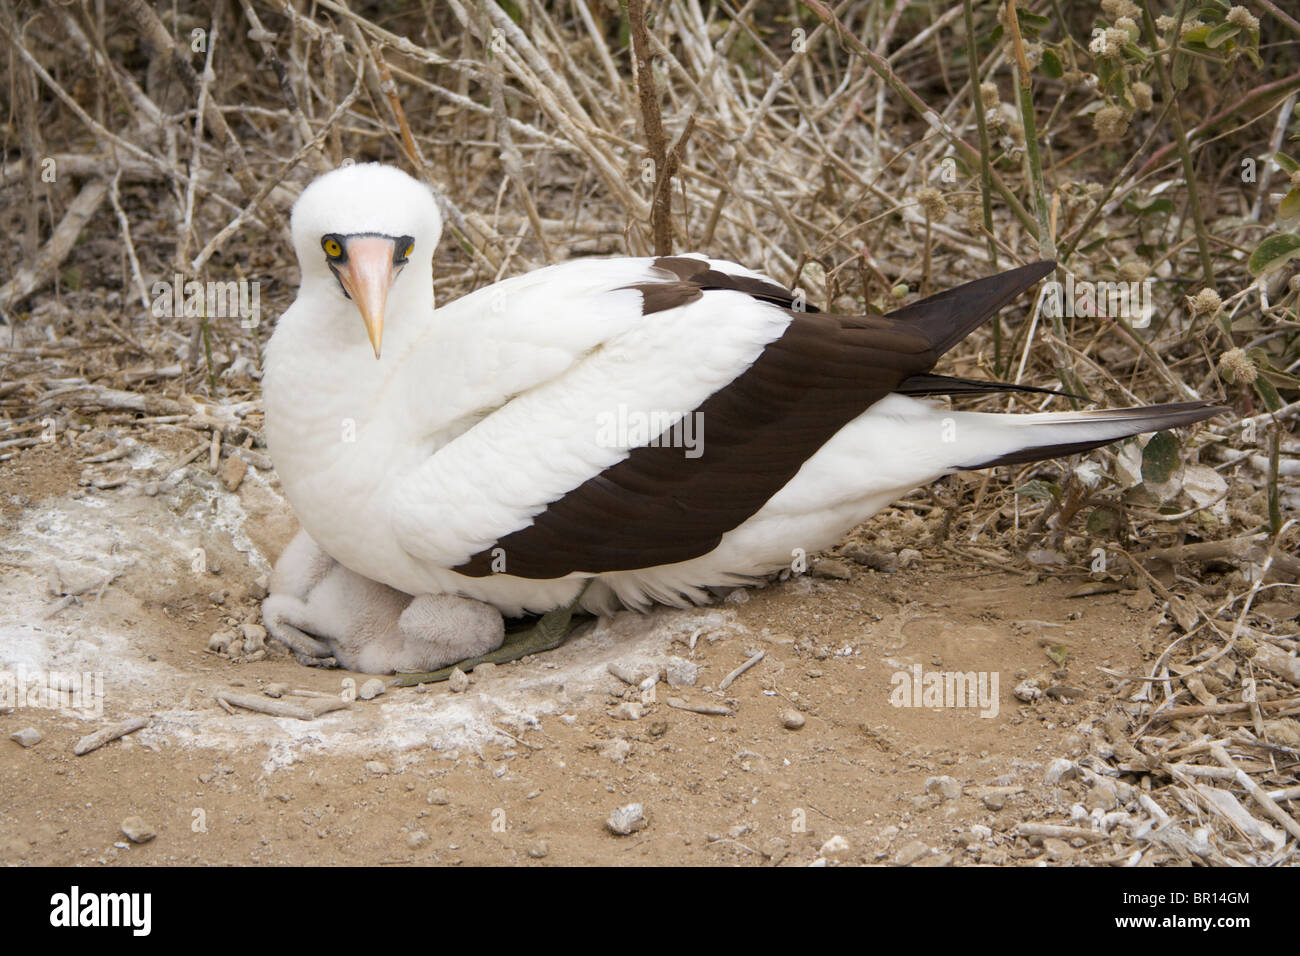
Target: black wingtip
{"points": [[948, 317]]}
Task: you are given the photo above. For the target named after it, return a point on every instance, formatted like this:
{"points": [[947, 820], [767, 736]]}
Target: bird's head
{"points": [[368, 233]]}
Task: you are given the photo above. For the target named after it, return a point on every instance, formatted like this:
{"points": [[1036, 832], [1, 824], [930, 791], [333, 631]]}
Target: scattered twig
{"points": [[100, 737]]}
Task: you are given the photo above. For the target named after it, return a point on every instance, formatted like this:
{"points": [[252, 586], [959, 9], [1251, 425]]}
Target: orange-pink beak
{"points": [[367, 277]]}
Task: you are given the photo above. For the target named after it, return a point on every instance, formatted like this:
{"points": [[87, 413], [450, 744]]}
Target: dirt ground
{"points": [[528, 763]]}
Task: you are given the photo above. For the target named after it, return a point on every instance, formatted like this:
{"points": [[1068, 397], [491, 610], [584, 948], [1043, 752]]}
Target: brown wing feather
{"points": [[658, 506]]}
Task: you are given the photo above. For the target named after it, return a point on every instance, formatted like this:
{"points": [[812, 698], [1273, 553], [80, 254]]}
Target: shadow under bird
{"points": [[491, 457]]}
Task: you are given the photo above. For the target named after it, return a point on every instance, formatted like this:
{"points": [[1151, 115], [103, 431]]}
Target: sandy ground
{"points": [[529, 762]]}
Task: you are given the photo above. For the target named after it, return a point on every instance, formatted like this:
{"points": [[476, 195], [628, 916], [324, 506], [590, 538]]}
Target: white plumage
{"points": [[482, 413]]}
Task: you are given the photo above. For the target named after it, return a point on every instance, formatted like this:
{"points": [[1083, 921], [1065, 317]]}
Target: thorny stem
{"points": [[1034, 166], [1180, 141], [986, 170]]}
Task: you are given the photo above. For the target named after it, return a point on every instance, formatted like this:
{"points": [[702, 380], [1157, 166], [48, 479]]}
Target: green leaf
{"points": [[1031, 23], [1264, 367], [1160, 458], [1286, 162], [1058, 654], [1103, 522], [1163, 204], [1182, 67], [1221, 35], [1197, 35], [1273, 252], [1036, 490], [1289, 207], [1052, 65], [1267, 393]]}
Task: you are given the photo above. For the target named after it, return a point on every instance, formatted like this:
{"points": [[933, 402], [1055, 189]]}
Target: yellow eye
{"points": [[410, 247], [332, 248]]}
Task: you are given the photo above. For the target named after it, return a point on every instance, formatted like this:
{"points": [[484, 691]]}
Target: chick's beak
{"points": [[367, 277]]}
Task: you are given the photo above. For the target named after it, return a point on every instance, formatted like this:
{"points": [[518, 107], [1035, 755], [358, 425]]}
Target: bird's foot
{"points": [[306, 649], [551, 630]]}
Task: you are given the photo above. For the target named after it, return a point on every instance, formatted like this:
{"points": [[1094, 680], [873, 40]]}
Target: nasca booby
{"points": [[616, 432]]}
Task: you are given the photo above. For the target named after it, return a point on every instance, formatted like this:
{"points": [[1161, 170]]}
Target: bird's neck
{"points": [[330, 404]]}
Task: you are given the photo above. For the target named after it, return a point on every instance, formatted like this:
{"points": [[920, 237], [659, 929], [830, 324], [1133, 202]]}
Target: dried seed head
{"points": [[1033, 54], [1116, 38], [932, 201], [1132, 270], [1120, 8], [1165, 22], [1142, 97], [1240, 16], [989, 94], [1205, 302], [1110, 122], [1235, 366]]}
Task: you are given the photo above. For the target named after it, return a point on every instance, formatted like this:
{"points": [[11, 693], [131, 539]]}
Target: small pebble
{"points": [[908, 557], [275, 690], [792, 719], [1101, 798], [1028, 691], [911, 852], [137, 831], [616, 750], [945, 787], [254, 637], [233, 471], [681, 672], [220, 642], [416, 839], [628, 711], [371, 689], [376, 766], [27, 737], [484, 670], [1060, 770], [834, 848], [539, 850], [831, 569], [458, 681], [872, 558], [1058, 850], [439, 797], [626, 819]]}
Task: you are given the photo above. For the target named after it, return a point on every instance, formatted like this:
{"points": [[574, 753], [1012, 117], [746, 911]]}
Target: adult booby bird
{"points": [[511, 449]]}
